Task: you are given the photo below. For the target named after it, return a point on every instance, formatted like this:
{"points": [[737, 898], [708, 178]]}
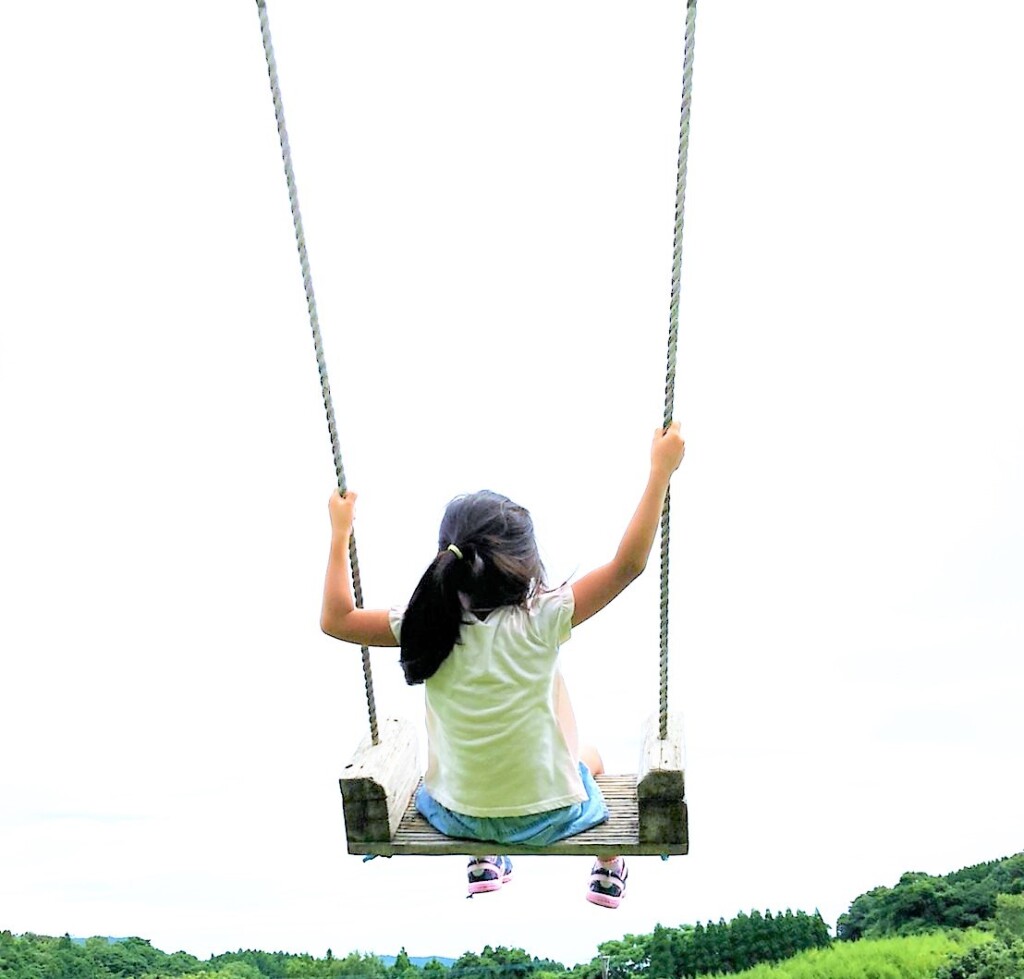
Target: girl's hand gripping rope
{"points": [[342, 510], [667, 449]]}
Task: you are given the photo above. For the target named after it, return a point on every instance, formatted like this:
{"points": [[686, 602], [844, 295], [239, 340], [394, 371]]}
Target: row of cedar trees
{"points": [[694, 950], [918, 903]]}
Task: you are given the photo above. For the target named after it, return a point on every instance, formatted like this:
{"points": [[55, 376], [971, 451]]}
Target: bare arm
{"points": [[339, 616], [596, 589]]}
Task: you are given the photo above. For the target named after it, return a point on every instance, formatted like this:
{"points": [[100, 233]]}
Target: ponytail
{"points": [[436, 612], [488, 559]]}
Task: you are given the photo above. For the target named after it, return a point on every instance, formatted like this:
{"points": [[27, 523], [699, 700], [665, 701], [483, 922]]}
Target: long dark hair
{"points": [[493, 561]]}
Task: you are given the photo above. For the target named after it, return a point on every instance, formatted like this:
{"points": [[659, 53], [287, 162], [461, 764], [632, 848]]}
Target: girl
{"points": [[482, 632]]}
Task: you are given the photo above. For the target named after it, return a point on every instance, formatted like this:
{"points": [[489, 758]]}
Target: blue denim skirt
{"points": [[535, 829]]}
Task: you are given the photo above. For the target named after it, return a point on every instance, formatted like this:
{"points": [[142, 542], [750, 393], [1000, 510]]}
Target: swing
{"points": [[647, 811]]}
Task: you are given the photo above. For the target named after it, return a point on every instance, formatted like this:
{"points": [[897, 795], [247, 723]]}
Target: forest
{"points": [[965, 925]]}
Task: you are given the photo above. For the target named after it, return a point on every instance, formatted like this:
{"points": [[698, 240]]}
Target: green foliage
{"points": [[130, 957], [915, 957], [501, 963], [434, 970], [662, 954], [230, 970], [748, 940], [626, 957], [920, 902], [270, 964], [992, 960], [674, 953], [917, 904], [41, 957], [1009, 916], [402, 968]]}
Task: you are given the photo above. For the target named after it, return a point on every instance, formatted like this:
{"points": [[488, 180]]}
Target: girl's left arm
{"points": [[339, 616]]}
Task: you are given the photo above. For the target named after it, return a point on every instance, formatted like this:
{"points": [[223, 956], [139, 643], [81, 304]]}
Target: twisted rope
{"points": [[673, 334], [314, 322]]}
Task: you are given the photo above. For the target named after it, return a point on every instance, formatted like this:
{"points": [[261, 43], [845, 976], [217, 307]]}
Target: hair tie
{"points": [[455, 551]]}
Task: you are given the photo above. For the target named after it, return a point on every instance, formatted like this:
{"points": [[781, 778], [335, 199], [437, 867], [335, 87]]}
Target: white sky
{"points": [[487, 190]]}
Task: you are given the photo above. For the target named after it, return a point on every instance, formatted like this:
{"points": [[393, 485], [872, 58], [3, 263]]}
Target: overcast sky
{"points": [[488, 192]]}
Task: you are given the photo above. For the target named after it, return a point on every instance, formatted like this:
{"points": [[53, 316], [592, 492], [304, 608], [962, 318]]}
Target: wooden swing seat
{"points": [[647, 811]]}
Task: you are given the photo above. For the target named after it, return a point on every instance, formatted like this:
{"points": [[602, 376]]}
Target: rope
{"points": [[314, 322], [673, 334]]}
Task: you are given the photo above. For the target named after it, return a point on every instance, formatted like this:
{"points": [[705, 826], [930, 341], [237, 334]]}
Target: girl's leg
{"points": [[608, 876], [586, 753]]}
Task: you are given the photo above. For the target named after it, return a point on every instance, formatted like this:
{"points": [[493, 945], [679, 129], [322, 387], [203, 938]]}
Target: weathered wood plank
{"points": [[661, 784], [662, 761], [377, 784], [620, 835]]}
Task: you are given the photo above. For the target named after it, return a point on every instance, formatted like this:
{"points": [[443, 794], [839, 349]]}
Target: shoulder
{"points": [[551, 612], [553, 601]]}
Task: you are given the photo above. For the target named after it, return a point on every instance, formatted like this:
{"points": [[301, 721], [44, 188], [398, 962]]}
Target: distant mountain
{"points": [[109, 940], [418, 960]]}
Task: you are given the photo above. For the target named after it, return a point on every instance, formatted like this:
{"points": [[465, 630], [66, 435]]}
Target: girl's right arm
{"points": [[339, 616], [595, 590]]}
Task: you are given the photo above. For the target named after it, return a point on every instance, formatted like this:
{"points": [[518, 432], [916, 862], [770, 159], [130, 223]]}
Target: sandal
{"points": [[608, 885], [488, 874]]}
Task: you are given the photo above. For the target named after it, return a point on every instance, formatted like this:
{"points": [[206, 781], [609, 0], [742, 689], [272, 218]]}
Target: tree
{"points": [[402, 968], [67, 962], [695, 959], [1010, 917], [993, 960], [626, 958], [661, 959], [10, 956], [434, 970], [468, 966], [357, 965]]}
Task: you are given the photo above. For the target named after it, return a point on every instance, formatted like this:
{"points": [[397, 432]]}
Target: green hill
{"points": [[921, 902]]}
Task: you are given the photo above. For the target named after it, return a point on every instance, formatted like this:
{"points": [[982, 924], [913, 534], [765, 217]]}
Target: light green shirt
{"points": [[494, 745]]}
